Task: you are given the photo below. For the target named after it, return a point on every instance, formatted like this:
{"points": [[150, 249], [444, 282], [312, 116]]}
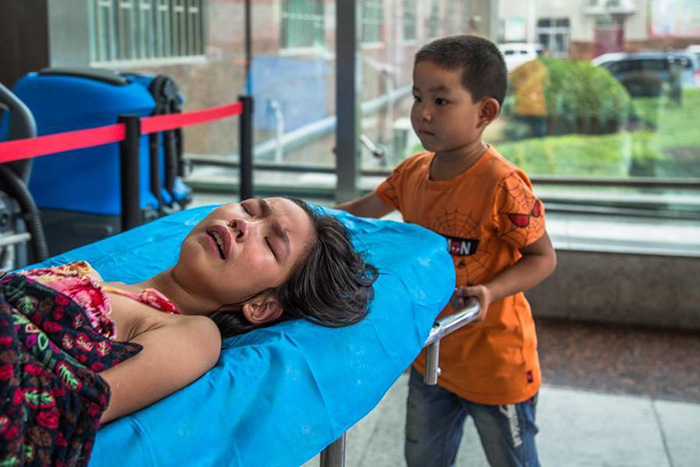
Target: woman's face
{"points": [[241, 249]]}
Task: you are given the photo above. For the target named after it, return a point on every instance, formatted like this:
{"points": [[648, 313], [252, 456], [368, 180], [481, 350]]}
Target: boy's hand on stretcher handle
{"points": [[462, 294]]}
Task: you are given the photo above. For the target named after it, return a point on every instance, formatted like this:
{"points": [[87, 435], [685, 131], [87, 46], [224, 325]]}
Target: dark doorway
{"points": [[609, 36]]}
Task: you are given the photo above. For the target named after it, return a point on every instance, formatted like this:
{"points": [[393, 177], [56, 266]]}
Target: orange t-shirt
{"points": [[486, 214]]}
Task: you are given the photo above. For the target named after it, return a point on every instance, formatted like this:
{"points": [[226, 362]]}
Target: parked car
{"points": [[517, 53], [644, 73], [693, 50]]}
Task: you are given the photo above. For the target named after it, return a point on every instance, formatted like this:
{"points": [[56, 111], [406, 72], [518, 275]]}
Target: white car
{"points": [[694, 50], [517, 53]]}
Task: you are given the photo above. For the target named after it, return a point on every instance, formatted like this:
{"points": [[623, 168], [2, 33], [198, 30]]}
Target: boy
{"points": [[494, 226]]}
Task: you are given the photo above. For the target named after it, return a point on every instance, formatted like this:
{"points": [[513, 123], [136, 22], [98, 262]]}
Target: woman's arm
{"points": [[176, 351]]}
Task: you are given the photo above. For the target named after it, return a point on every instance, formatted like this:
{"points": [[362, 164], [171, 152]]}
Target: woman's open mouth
{"points": [[222, 239]]}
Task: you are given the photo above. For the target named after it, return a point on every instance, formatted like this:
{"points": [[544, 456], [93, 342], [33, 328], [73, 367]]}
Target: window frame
{"points": [[128, 32], [552, 28], [409, 11], [375, 23], [432, 20], [288, 27]]}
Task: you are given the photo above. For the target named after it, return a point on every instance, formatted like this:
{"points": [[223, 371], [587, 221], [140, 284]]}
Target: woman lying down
{"points": [[76, 352]]}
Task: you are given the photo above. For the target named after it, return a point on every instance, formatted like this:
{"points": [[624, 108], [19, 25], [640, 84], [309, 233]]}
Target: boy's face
{"points": [[444, 116]]}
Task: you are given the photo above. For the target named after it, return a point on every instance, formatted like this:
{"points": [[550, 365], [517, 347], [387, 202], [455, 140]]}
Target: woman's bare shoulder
{"points": [[204, 334], [134, 319], [176, 351], [197, 336]]}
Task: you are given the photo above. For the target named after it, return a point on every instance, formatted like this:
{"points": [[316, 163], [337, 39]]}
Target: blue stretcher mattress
{"points": [[279, 395]]}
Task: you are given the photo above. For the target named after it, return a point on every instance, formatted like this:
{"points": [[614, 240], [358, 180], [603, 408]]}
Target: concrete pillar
{"points": [[36, 34], [347, 92]]}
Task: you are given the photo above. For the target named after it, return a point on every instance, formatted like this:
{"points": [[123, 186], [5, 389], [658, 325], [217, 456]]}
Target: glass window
{"points": [[433, 19], [466, 15], [654, 65], [454, 20], [372, 17], [195, 41], [146, 29], [302, 23], [409, 19], [163, 33], [591, 112], [554, 35], [609, 103], [615, 67]]}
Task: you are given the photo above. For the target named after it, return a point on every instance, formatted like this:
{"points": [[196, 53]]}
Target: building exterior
{"points": [[585, 29], [201, 44]]}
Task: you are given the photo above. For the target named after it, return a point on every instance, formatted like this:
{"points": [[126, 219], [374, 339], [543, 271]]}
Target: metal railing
{"points": [[608, 182], [648, 202]]}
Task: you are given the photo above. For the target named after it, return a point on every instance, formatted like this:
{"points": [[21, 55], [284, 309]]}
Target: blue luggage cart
{"points": [[78, 192]]}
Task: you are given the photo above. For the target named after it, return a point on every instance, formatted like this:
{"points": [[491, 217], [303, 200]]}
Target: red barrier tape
{"points": [[49, 144], [170, 122], [80, 139]]}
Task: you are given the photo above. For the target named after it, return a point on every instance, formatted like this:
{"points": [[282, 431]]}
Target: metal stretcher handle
{"points": [[441, 328]]}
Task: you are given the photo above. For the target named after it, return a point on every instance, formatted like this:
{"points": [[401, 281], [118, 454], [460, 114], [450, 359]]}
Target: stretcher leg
{"points": [[334, 454]]}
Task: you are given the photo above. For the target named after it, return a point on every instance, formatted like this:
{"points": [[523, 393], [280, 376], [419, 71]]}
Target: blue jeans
{"points": [[435, 422]]}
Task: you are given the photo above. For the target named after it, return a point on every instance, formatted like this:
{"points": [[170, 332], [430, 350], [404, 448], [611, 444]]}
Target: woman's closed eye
{"points": [[247, 211], [269, 247]]}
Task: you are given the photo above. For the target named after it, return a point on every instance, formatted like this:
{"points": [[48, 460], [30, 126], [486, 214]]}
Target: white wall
{"points": [[637, 25], [582, 25]]}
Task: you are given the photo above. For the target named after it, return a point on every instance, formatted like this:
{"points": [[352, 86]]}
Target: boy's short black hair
{"points": [[483, 68]]}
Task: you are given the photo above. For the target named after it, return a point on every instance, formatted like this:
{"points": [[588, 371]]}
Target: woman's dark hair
{"points": [[331, 285], [483, 67]]}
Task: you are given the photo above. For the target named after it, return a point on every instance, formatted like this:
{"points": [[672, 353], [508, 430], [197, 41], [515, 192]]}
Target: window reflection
{"points": [[598, 89]]}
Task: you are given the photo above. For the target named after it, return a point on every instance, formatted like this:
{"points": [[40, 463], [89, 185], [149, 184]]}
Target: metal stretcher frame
{"points": [[334, 454]]}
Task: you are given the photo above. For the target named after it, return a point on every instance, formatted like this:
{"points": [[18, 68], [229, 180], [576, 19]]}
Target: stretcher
{"points": [[278, 396]]}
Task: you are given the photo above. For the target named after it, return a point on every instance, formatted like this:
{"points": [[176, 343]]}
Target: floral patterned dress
{"points": [[56, 335]]}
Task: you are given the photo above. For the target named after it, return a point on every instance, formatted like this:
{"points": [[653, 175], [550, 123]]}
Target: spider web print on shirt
{"points": [[390, 189], [520, 213], [470, 269]]}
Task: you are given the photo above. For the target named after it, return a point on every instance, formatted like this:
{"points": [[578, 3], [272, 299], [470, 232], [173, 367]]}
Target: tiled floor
{"points": [[660, 364], [605, 403]]}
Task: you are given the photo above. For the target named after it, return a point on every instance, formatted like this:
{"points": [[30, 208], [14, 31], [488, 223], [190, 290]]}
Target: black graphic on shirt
{"points": [[461, 246]]}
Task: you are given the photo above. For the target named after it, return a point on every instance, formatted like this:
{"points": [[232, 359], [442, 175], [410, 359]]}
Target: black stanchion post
{"points": [[248, 43], [246, 149], [129, 172], [154, 167]]}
